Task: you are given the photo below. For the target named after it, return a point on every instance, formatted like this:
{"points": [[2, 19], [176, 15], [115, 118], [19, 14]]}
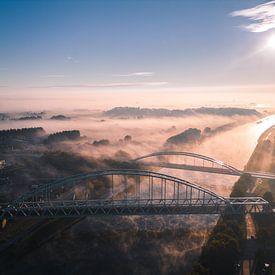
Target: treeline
{"points": [[194, 135], [21, 133], [67, 162], [101, 142], [191, 135], [244, 183], [140, 112], [28, 134], [63, 136], [221, 252], [265, 229], [75, 163], [29, 118]]}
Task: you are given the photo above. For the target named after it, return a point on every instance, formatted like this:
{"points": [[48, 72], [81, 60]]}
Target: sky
{"points": [[104, 50]]}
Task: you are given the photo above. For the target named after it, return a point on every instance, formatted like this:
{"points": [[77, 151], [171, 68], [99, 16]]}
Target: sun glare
{"points": [[271, 42]]}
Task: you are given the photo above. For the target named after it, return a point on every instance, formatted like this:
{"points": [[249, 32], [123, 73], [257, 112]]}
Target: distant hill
{"points": [[190, 135], [60, 117], [29, 118], [148, 112], [4, 116], [193, 135]]}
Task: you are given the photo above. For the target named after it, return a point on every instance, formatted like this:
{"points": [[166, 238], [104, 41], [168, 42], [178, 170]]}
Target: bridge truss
{"points": [[126, 192]]}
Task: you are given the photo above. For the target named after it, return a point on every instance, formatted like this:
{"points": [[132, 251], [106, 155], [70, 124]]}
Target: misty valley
{"points": [[34, 153], [137, 137]]}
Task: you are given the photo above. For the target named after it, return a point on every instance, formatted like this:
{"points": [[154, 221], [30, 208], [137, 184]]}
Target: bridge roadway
{"points": [[72, 208], [216, 167], [143, 193]]}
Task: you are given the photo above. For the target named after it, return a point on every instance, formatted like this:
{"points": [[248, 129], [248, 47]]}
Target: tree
{"points": [[268, 196], [127, 138]]}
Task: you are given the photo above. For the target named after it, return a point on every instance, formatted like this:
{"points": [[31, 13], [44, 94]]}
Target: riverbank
{"points": [[224, 251]]}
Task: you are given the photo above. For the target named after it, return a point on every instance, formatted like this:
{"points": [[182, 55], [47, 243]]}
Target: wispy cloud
{"points": [[55, 75], [135, 74], [108, 85], [263, 17], [72, 59]]}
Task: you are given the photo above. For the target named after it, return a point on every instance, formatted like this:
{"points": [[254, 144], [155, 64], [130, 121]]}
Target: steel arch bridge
{"points": [[197, 162], [126, 192]]}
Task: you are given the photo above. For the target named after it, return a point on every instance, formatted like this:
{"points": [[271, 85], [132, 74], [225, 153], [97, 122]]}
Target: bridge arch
{"points": [[156, 194], [155, 186], [224, 168]]}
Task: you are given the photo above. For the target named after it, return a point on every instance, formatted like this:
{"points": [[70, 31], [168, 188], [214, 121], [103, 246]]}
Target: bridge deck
{"points": [[135, 207], [207, 169], [215, 170], [126, 192]]}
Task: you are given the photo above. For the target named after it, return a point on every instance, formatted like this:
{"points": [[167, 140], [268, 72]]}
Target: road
{"points": [[250, 245]]}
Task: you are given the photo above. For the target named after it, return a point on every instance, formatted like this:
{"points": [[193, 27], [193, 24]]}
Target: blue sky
{"points": [[130, 44]]}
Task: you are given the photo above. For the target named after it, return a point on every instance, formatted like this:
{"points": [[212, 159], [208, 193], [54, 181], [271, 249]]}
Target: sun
{"points": [[271, 42]]}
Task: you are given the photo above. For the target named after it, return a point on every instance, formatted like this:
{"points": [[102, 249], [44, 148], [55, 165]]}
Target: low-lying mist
{"points": [[171, 243], [233, 146]]}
